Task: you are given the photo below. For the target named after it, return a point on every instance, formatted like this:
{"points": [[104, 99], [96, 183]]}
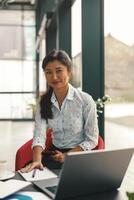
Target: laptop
{"points": [[88, 172]]}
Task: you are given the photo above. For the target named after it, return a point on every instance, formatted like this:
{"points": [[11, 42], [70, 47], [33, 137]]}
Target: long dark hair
{"points": [[45, 102]]}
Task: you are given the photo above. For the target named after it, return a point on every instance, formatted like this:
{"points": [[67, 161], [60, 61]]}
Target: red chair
{"points": [[100, 144], [24, 153]]}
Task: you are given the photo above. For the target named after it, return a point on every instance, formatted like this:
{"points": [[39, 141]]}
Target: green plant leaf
{"points": [[130, 195]]}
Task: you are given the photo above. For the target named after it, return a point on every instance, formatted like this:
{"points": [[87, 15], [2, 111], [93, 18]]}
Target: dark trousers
{"points": [[49, 162]]}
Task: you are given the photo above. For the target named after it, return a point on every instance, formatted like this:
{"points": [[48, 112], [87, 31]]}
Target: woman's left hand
{"points": [[58, 156]]}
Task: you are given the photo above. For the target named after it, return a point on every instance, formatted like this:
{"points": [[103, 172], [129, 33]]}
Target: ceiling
{"points": [[12, 4]]}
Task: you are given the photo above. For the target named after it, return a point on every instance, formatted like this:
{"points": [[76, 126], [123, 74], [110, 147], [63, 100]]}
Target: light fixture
{"points": [[32, 2]]}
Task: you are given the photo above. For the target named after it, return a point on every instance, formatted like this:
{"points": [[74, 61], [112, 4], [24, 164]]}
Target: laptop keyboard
{"points": [[52, 189]]}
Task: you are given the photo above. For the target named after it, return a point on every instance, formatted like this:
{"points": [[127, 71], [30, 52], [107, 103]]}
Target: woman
{"points": [[69, 112]]}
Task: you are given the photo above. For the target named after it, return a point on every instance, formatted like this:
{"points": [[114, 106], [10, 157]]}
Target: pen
{"points": [[34, 172]]}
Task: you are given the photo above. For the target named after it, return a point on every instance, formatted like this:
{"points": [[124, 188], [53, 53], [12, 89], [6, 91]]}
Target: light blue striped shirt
{"points": [[74, 124]]}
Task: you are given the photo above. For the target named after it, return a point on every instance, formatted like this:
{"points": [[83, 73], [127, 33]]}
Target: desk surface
{"points": [[127, 185], [114, 195]]}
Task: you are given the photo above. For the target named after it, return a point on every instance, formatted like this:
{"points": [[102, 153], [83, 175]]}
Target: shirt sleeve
{"points": [[91, 130], [39, 135]]}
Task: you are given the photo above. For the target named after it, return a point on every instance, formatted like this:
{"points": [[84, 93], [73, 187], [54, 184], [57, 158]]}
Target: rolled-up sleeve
{"points": [[39, 135], [91, 131]]}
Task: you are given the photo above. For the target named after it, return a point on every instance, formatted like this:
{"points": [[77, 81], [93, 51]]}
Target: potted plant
{"points": [[101, 102]]}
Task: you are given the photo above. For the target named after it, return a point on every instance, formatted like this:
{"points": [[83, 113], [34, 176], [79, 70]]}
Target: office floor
{"points": [[119, 126], [14, 134]]}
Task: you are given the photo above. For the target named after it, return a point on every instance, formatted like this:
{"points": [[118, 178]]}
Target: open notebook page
{"points": [[39, 175]]}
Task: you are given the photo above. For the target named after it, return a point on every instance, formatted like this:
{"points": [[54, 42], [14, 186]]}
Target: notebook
{"points": [[89, 172], [38, 175]]}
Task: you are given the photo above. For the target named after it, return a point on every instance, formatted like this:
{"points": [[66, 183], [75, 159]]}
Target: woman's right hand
{"points": [[31, 166]]}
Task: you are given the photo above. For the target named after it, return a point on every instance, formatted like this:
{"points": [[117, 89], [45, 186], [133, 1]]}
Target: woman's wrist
{"points": [[37, 158], [78, 148], [38, 161], [37, 154]]}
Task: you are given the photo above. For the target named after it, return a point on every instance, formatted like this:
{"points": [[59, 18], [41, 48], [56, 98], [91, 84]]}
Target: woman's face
{"points": [[57, 75]]}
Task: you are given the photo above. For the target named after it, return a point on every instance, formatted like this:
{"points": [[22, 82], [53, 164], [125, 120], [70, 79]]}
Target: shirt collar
{"points": [[53, 98], [70, 93], [69, 96]]}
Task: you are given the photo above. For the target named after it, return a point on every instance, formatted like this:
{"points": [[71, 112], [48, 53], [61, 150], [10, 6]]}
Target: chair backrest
{"points": [[24, 153]]}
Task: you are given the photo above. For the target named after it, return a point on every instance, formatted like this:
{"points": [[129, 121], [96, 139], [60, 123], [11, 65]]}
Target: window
{"points": [[17, 64], [76, 44], [119, 70]]}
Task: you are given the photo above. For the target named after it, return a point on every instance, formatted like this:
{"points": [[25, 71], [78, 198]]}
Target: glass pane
{"points": [[119, 49], [76, 28], [14, 17], [11, 45], [10, 17], [42, 80], [29, 18], [76, 45], [22, 44], [17, 62], [10, 76], [77, 71], [17, 76], [16, 106], [28, 41], [29, 76], [119, 72]]}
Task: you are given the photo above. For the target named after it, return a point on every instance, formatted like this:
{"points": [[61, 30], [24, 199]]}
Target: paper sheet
{"points": [[11, 186], [39, 175]]}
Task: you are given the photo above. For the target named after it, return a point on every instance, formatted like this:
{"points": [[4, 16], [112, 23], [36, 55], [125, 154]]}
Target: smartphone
{"points": [[48, 152]]}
